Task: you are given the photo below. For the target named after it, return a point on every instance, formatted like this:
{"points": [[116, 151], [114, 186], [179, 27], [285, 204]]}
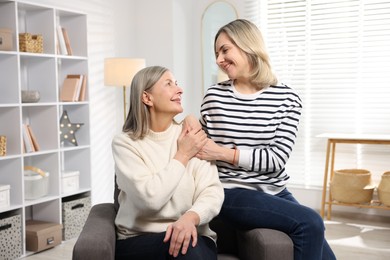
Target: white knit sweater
{"points": [[157, 189]]}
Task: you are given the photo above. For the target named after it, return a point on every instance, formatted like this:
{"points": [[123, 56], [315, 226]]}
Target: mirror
{"points": [[214, 17]]}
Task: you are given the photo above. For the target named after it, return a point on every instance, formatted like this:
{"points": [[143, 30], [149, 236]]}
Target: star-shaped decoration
{"points": [[67, 129]]}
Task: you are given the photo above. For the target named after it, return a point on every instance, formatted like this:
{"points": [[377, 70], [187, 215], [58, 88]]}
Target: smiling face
{"points": [[231, 59], [164, 98]]}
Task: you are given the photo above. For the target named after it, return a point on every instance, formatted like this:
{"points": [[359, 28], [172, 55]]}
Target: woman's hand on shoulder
{"points": [[181, 232], [189, 144], [190, 122]]}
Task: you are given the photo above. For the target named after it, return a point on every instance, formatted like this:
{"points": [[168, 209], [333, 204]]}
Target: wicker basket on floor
{"points": [[352, 186], [384, 189], [30, 43]]}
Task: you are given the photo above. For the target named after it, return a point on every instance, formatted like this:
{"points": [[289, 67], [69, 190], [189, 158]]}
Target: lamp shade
{"points": [[120, 71]]}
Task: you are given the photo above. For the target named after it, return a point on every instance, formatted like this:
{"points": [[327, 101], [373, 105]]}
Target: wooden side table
{"points": [[334, 139]]}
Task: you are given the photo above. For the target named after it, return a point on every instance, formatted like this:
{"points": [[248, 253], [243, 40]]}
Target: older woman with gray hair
{"points": [[167, 195]]}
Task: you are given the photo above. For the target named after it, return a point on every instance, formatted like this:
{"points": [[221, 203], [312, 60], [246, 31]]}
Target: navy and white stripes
{"points": [[263, 126]]}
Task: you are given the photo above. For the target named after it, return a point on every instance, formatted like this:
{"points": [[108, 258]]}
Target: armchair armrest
{"points": [[97, 239], [266, 244]]}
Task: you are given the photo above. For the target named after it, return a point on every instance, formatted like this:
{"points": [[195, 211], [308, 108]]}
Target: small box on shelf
{"points": [[4, 196], [5, 39], [41, 235], [70, 181]]}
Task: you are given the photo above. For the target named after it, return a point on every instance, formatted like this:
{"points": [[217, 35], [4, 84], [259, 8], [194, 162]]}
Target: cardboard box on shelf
{"points": [[5, 39], [41, 235]]}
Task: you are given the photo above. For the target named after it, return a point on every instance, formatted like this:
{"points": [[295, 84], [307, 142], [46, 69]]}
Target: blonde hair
{"points": [[137, 123], [247, 37]]}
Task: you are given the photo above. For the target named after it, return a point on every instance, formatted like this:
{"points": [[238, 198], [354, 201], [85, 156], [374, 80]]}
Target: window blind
{"points": [[336, 54]]}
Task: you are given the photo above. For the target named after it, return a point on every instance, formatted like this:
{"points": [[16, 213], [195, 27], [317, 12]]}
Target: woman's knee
{"points": [[314, 222], [205, 249]]}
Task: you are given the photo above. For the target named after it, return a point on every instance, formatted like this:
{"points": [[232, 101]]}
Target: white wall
{"points": [[170, 35]]}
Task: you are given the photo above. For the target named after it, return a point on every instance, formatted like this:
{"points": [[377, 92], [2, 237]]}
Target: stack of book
{"points": [[73, 88], [64, 46], [30, 141]]}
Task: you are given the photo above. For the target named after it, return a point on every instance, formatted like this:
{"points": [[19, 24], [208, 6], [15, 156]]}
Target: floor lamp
{"points": [[119, 72]]}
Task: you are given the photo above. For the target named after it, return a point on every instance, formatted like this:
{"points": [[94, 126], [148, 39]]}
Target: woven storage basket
{"points": [[3, 145], [30, 43], [384, 189], [352, 186]]}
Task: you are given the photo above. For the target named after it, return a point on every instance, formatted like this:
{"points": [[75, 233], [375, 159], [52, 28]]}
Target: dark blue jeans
{"points": [[151, 247], [249, 209]]}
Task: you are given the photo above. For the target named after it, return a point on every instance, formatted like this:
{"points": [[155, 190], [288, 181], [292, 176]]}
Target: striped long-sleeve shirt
{"points": [[263, 126]]}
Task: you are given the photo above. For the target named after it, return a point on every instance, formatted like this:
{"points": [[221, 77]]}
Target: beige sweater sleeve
{"points": [[209, 194]]}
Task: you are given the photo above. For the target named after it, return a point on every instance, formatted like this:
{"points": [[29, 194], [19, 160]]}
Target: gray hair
{"points": [[137, 123]]}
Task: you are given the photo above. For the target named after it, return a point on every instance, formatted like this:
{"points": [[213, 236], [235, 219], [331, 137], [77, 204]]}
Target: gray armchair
{"points": [[97, 239]]}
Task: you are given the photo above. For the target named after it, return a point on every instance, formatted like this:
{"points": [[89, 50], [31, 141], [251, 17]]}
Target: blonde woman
{"points": [[167, 195], [252, 120]]}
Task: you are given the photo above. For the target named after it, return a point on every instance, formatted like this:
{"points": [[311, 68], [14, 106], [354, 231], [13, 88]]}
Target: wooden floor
{"points": [[350, 236], [358, 237]]}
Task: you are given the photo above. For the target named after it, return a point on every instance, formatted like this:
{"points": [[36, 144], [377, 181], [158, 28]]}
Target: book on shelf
{"points": [[83, 87], [74, 88], [71, 87], [28, 145], [67, 41], [61, 41], [33, 139], [30, 140], [83, 91]]}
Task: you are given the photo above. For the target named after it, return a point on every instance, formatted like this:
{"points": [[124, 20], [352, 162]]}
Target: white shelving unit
{"points": [[44, 72]]}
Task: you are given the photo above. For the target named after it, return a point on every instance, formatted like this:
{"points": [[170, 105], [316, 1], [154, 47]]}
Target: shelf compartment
{"points": [[74, 160], [39, 73], [78, 113], [46, 211], [8, 20], [43, 121], [11, 174], [38, 20], [47, 163], [71, 22], [68, 66], [10, 127], [9, 77]]}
